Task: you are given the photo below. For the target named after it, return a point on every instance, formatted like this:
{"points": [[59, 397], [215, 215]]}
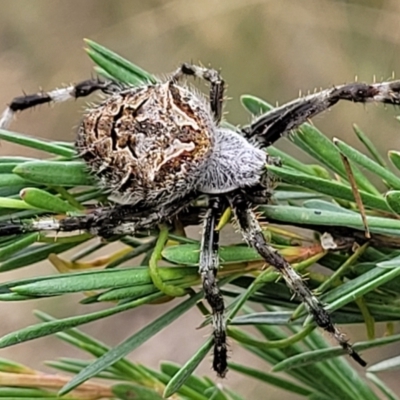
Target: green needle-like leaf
{"points": [[369, 145], [291, 162], [6, 202], [38, 253], [394, 157], [270, 379], [130, 344], [187, 370], [17, 245], [48, 328], [125, 391], [55, 173], [119, 68], [39, 144], [326, 152], [18, 393], [193, 381], [188, 254], [94, 280], [360, 286], [390, 395], [370, 165], [390, 364], [43, 200], [331, 188], [307, 216], [310, 357], [393, 200], [255, 105], [13, 182]]}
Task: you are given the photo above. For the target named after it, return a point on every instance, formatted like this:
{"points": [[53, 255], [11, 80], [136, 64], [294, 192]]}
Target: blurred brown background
{"points": [[271, 49]]}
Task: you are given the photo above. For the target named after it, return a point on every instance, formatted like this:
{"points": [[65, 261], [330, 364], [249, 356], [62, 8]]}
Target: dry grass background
{"points": [[270, 48]]}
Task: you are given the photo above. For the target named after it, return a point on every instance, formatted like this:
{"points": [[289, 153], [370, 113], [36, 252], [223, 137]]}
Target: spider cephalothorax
{"points": [[156, 147]]}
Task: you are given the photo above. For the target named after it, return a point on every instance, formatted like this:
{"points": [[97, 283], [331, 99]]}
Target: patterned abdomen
{"points": [[147, 144]]}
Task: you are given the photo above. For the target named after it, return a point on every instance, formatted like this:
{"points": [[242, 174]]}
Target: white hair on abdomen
{"points": [[233, 163]]}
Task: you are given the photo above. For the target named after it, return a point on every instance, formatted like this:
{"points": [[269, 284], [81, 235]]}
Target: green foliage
{"points": [[361, 287]]}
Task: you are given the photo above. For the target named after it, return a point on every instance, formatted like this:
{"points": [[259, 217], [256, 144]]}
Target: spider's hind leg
{"points": [[208, 270], [25, 102], [210, 75], [253, 235]]}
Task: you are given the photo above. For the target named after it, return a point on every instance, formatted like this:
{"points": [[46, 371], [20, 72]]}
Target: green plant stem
{"points": [[169, 290], [244, 338]]}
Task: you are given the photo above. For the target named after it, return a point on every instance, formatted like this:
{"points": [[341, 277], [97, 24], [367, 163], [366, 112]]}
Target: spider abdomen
{"points": [[147, 143], [234, 163]]}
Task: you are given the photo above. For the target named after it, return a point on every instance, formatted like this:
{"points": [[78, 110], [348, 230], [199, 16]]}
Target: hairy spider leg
{"points": [[208, 269], [22, 103], [253, 235], [269, 127], [212, 76], [121, 219], [146, 220], [209, 262]]}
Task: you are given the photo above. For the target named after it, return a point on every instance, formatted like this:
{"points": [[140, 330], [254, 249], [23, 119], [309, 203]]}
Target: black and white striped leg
{"points": [[253, 235], [22, 103], [216, 82], [269, 127], [102, 221], [208, 270]]}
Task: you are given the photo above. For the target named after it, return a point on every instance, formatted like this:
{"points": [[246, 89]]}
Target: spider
{"points": [[158, 146]]}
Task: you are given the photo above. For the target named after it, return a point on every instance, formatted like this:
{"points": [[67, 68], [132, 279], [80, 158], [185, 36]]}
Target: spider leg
{"points": [[102, 221], [208, 270], [22, 103], [253, 235], [210, 75], [269, 127]]}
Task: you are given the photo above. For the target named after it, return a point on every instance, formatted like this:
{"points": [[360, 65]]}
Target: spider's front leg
{"points": [[269, 127], [27, 101], [103, 221], [216, 82], [253, 235], [208, 268]]}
